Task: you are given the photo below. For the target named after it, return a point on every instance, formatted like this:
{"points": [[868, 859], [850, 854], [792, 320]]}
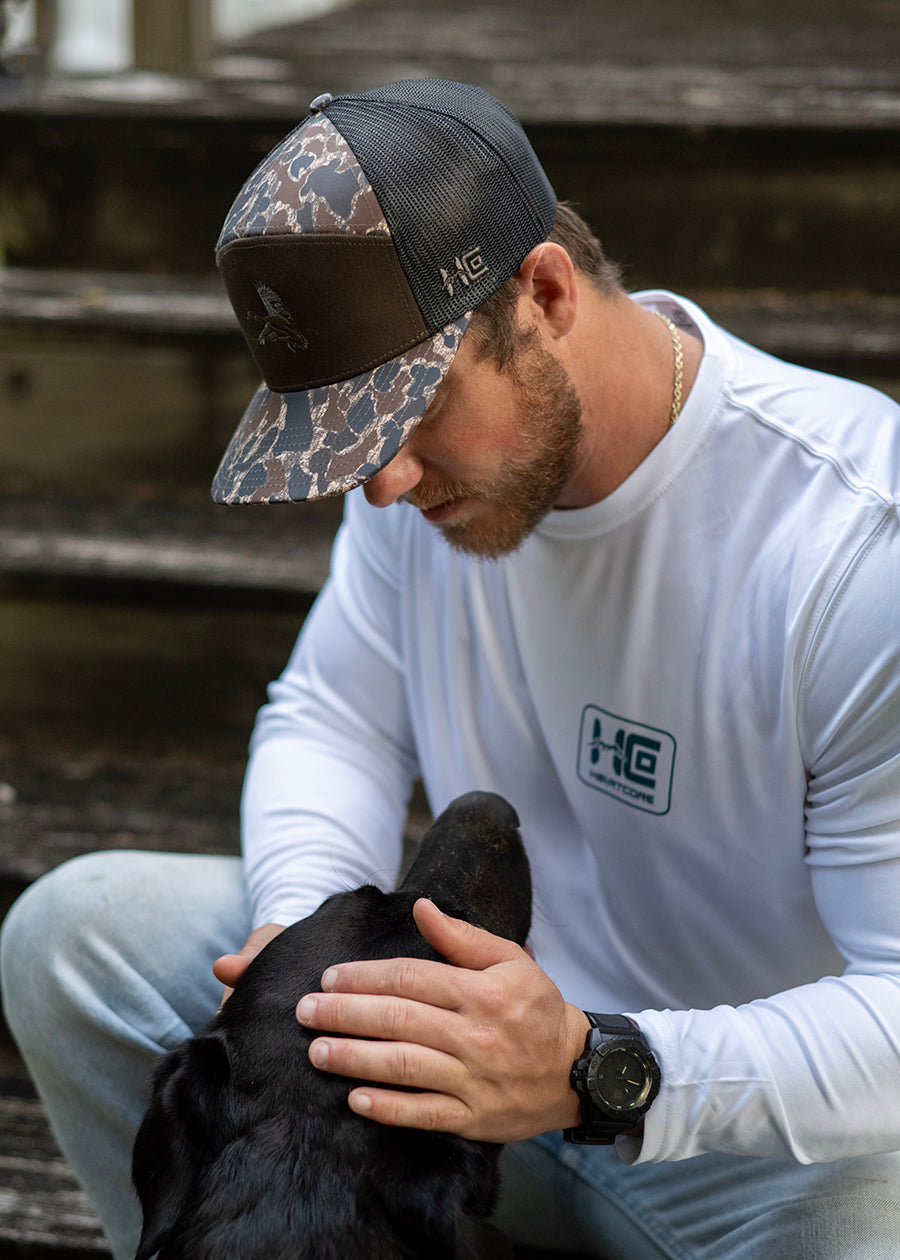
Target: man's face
{"points": [[492, 454]]}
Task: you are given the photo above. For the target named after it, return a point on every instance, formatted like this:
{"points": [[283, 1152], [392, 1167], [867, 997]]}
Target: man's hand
{"points": [[230, 967], [489, 1041]]}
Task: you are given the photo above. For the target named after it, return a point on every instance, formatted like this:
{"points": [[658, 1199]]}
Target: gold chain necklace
{"points": [[679, 366]]}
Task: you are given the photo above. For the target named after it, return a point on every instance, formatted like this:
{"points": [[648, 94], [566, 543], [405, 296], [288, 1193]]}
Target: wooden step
{"points": [[44, 1214], [191, 552], [112, 383], [151, 626], [128, 386], [57, 802], [712, 145]]}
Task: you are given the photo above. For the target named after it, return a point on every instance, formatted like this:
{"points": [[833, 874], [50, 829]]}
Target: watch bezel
{"points": [[598, 1059], [602, 1120]]}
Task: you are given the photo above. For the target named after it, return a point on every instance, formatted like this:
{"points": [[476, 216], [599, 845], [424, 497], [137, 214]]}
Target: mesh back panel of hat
{"points": [[456, 179]]}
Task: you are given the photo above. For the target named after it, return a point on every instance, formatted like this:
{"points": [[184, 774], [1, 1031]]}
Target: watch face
{"points": [[618, 1079]]}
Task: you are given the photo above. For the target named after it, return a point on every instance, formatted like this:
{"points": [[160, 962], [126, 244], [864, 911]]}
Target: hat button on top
{"points": [[320, 103]]}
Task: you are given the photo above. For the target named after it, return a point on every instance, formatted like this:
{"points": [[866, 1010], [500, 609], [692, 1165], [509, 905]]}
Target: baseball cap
{"points": [[354, 256]]}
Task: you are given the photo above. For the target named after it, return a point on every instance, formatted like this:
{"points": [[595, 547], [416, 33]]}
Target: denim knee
{"points": [[45, 925], [122, 936]]}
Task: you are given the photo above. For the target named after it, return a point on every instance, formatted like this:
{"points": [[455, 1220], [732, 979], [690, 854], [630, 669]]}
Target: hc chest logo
{"points": [[627, 760]]}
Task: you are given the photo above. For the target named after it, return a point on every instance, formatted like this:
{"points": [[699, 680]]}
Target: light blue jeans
{"points": [[106, 964]]}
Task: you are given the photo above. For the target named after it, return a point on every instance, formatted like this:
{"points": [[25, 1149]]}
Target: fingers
{"points": [[465, 946], [383, 1020], [433, 1083], [415, 979], [394, 1064], [480, 1048], [423, 1110], [229, 968]]}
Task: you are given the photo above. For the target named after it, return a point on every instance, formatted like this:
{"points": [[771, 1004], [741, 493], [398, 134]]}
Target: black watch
{"points": [[616, 1079]]}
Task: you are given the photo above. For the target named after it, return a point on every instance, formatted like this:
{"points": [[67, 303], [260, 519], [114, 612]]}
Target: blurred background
{"points": [[743, 154]]}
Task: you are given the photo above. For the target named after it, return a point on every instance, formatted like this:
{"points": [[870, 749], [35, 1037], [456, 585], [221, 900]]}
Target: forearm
{"points": [[812, 1073]]}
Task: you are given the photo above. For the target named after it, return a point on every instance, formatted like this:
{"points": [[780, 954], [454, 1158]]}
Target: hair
{"points": [[494, 327]]}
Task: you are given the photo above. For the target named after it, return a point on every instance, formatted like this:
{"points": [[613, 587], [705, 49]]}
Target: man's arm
{"points": [[812, 1073], [332, 761]]}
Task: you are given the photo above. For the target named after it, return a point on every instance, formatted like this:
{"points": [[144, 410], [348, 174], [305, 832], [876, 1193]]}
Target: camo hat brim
{"points": [[321, 442], [354, 256]]}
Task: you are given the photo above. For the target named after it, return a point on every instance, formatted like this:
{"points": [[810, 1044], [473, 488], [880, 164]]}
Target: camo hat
{"points": [[354, 256]]}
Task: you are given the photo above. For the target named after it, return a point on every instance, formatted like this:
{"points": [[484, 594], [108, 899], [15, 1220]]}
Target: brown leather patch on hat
{"points": [[317, 308]]}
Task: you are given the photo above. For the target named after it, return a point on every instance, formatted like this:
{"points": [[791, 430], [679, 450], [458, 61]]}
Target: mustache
{"points": [[437, 496]]}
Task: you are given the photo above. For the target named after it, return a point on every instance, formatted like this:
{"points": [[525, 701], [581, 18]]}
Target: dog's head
{"points": [[246, 1150]]}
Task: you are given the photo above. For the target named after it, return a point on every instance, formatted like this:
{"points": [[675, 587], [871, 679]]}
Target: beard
{"points": [[531, 483]]}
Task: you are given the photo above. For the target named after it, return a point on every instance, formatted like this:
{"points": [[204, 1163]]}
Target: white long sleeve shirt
{"points": [[690, 691]]}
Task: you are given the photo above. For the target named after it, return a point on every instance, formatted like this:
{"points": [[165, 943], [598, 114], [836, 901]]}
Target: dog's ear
{"points": [[176, 1133]]}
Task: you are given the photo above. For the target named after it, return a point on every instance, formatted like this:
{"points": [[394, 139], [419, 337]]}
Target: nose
{"points": [[397, 478]]}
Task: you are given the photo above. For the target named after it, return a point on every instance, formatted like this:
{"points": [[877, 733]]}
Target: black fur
{"points": [[247, 1152]]}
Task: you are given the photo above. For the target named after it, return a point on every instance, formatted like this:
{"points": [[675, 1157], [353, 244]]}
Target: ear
{"points": [[176, 1133], [549, 288]]}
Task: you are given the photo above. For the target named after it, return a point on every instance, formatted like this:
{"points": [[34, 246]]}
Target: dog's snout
{"points": [[491, 805]]}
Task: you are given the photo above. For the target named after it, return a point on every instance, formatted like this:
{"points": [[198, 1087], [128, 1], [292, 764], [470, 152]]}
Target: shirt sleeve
{"points": [[813, 1073], [331, 762]]}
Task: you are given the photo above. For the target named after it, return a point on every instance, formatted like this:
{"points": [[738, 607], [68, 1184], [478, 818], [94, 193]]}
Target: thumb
{"points": [[230, 967], [461, 943]]}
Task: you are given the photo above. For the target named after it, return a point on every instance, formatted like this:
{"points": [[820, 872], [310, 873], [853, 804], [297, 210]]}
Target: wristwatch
{"points": [[616, 1079]]}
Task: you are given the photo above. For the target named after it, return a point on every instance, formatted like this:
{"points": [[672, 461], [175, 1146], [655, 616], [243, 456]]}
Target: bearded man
{"points": [[606, 560]]}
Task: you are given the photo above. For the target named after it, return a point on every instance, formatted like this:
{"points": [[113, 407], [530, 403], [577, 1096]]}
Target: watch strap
{"points": [[614, 1025]]}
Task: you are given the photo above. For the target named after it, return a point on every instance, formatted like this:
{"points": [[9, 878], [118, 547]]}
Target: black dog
{"points": [[247, 1152]]}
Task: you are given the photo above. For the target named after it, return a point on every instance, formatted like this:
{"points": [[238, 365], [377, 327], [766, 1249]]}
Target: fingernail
{"points": [[306, 1009], [361, 1102], [318, 1054], [329, 979]]}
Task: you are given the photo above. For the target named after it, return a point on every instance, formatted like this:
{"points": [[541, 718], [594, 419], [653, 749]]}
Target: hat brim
{"points": [[321, 442]]}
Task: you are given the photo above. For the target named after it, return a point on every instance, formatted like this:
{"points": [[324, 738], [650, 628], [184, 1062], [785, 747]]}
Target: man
{"points": [[634, 575]]}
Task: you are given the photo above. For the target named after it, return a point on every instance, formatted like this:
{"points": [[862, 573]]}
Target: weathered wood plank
{"points": [[41, 1204], [55, 805], [58, 803], [195, 552]]}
